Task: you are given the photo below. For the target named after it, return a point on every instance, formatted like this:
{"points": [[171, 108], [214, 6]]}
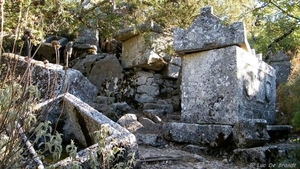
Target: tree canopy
{"points": [[272, 25], [276, 27]]}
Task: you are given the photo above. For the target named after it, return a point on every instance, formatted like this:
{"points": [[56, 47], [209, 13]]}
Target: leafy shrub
{"points": [[288, 97]]}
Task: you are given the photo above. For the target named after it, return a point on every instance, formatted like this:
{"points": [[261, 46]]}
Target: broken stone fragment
{"points": [[211, 135], [103, 70], [130, 122], [88, 36], [208, 32], [250, 133], [140, 52]]}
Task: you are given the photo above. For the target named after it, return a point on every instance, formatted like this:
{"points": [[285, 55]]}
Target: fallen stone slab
{"points": [[51, 79], [269, 156], [211, 135], [279, 132], [208, 32], [80, 122], [150, 154], [154, 140], [130, 122]]}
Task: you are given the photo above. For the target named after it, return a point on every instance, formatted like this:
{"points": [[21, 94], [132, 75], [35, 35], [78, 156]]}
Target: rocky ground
{"points": [[157, 153]]}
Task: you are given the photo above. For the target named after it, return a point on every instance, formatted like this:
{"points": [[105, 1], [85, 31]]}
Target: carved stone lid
{"points": [[208, 32]]}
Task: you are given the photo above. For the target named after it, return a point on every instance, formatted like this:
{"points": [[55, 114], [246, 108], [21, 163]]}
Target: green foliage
{"points": [[109, 153], [276, 27], [288, 95], [296, 120], [15, 106]]}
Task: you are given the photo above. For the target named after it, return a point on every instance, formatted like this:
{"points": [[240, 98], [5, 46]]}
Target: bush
{"points": [[288, 95]]}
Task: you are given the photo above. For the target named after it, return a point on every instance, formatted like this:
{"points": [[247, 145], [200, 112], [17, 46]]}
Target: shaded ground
{"points": [[157, 153]]}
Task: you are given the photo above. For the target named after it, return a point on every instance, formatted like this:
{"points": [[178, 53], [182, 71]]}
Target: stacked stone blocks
{"points": [[223, 84]]}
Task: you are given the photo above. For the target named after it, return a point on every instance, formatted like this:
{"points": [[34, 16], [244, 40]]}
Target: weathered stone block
{"points": [[106, 70], [212, 135], [154, 140], [250, 133], [164, 107], [208, 32], [85, 64], [279, 132], [52, 80], [88, 36], [144, 78], [171, 71], [83, 121], [149, 90], [137, 52], [277, 156], [144, 98], [130, 122], [223, 86]]}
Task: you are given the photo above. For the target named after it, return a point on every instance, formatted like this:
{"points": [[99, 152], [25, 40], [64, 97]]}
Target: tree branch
{"points": [[284, 11], [287, 33]]}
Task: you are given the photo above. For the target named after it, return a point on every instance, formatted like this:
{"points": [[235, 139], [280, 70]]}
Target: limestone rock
{"points": [[152, 124], [105, 100], [106, 110], [122, 108], [207, 32], [212, 135], [154, 140], [131, 32], [225, 85], [262, 157], [158, 108], [84, 65], [130, 122], [173, 68], [146, 88], [136, 52], [89, 120], [85, 48], [279, 132], [47, 75], [88, 36], [144, 98], [250, 133], [195, 149], [106, 70]]}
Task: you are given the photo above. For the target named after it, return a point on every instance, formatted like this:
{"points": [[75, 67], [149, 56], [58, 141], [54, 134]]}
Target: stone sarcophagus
{"points": [[222, 81], [225, 85]]}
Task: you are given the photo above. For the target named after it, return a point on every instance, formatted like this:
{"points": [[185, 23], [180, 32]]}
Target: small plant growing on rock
{"points": [[109, 154]]}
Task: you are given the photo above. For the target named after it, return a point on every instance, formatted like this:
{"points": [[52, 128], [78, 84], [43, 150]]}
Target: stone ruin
{"points": [[225, 92], [225, 88]]}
